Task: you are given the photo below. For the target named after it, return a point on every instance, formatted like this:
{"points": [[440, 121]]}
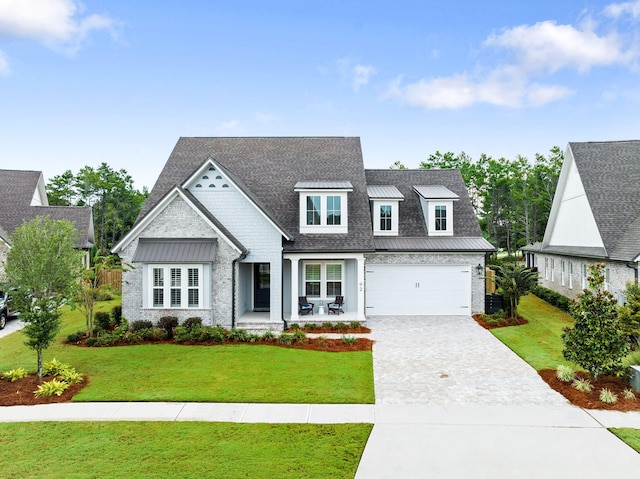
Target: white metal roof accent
{"points": [[435, 192], [175, 250], [323, 185], [384, 192]]}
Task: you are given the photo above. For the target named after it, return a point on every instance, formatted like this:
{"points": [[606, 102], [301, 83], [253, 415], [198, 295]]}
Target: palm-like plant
{"points": [[514, 282]]}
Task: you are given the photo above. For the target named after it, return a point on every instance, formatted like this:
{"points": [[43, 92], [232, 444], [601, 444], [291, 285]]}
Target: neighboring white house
{"points": [[235, 230], [595, 217]]}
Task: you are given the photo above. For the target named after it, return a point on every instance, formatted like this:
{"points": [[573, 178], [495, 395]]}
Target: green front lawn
{"points": [[629, 436], [181, 449], [223, 373], [537, 342]]}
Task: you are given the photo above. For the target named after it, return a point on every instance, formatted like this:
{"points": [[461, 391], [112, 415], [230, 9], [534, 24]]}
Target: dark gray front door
{"points": [[261, 287]]}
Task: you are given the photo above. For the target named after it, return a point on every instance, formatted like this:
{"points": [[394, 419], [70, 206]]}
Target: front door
{"points": [[261, 287]]}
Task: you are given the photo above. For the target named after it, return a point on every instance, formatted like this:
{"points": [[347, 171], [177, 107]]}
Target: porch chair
{"points": [[336, 306], [304, 306]]}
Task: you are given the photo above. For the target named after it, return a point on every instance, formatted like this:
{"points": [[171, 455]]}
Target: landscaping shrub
{"points": [[140, 324], [354, 325], [153, 334], [49, 388], [310, 326], [53, 367], [70, 376], [298, 337], [552, 297], [268, 336], [75, 337], [349, 340], [239, 335], [565, 373], [340, 326], [15, 374], [629, 394], [294, 326], [116, 315], [218, 334], [102, 320], [182, 334], [107, 339], [285, 338], [192, 323], [105, 293], [582, 385], [91, 341], [327, 325], [168, 323], [607, 396]]}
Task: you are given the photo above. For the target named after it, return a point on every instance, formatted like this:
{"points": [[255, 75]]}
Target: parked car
{"points": [[6, 309]]}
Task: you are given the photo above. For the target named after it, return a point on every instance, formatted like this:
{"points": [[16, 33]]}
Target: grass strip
{"points": [[630, 436], [539, 342], [185, 450]]}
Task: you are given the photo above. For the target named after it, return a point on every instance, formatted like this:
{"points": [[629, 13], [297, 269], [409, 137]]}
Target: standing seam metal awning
{"points": [[175, 250]]}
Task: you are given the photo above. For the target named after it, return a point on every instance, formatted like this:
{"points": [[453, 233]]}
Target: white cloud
{"points": [[548, 47], [361, 75], [55, 23], [4, 64], [533, 52], [617, 10], [501, 88], [266, 118]]}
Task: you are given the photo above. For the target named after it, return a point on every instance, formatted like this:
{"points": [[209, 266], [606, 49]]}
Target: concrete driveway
{"points": [[464, 405], [13, 324]]}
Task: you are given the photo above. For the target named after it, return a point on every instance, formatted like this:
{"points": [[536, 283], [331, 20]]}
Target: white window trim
{"points": [[563, 266], [570, 274], [583, 275], [184, 286], [394, 218], [323, 227], [323, 279], [553, 270], [432, 218], [546, 269]]}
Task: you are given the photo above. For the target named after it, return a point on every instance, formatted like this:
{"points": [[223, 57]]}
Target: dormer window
{"points": [[437, 207], [323, 206], [385, 209]]}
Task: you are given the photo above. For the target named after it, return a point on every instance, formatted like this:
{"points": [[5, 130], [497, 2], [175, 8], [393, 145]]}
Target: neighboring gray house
{"points": [[236, 229], [595, 217], [23, 197]]}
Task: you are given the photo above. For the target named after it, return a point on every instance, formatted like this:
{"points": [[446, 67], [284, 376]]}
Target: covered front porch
{"points": [[321, 277]]}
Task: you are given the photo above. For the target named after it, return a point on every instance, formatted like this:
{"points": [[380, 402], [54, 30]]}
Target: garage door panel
{"points": [[418, 289]]}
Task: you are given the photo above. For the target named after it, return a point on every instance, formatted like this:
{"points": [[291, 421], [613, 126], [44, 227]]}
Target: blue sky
{"points": [[83, 83]]}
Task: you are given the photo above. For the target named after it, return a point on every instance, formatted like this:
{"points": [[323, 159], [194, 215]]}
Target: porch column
{"points": [[361, 270], [294, 290]]}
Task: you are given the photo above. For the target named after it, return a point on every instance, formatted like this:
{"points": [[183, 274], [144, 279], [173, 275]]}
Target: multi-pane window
{"points": [[441, 218], [385, 218], [194, 287], [313, 210], [570, 274], [562, 272], [174, 286], [333, 210], [158, 287], [323, 280], [553, 270], [334, 279], [312, 279]]}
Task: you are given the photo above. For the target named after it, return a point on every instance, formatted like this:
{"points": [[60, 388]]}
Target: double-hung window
{"points": [[323, 206], [323, 279], [313, 210], [385, 217], [176, 286], [334, 211], [441, 217]]}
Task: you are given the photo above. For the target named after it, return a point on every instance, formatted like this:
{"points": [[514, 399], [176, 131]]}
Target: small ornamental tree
{"points": [[88, 288], [43, 266], [629, 314], [595, 342], [513, 283]]}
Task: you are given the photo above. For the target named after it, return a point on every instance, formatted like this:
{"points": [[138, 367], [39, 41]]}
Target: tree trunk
{"points": [[39, 365]]}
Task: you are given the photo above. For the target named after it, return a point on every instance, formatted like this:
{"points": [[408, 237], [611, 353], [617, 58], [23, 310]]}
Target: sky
{"points": [[119, 81]]}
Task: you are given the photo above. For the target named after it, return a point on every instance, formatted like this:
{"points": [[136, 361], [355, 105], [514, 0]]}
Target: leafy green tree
{"points": [[44, 267], [513, 283], [114, 201], [629, 314], [595, 342], [397, 165]]}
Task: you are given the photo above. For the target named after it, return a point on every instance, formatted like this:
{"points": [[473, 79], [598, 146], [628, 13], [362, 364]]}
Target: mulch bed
{"points": [[348, 330], [592, 400], [481, 320], [21, 392]]}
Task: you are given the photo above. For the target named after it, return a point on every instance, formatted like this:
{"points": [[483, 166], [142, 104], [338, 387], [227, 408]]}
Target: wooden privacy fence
{"points": [[112, 278]]}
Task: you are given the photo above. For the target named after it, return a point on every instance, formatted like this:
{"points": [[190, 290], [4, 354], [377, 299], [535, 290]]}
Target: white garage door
{"points": [[418, 289]]}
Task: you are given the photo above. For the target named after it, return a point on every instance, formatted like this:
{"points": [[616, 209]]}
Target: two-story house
{"points": [[235, 230]]}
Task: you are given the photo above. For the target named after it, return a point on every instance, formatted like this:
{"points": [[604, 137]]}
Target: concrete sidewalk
{"points": [[416, 441]]}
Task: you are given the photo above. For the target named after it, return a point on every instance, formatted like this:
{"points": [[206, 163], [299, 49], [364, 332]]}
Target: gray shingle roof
{"points": [[17, 188], [269, 168], [465, 223], [610, 173]]}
